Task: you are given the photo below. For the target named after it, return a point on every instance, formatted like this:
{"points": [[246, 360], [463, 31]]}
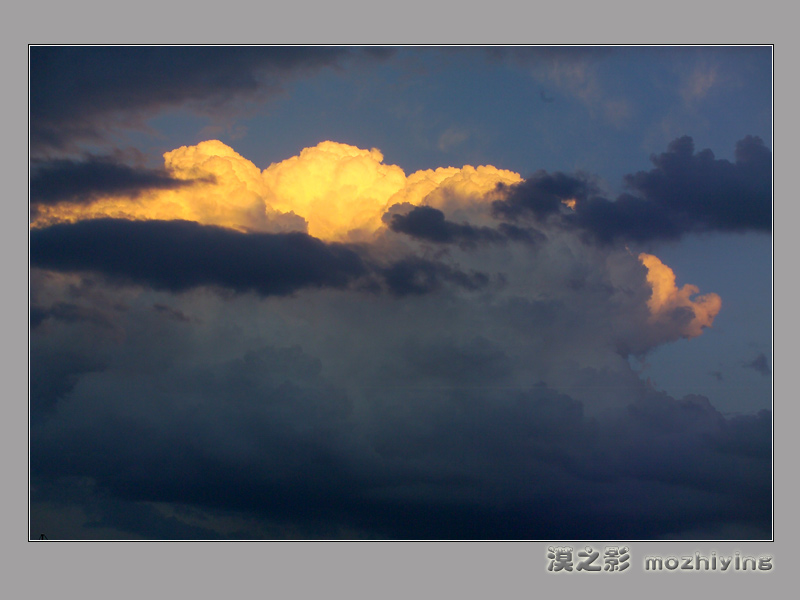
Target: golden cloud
{"points": [[334, 191], [667, 298]]}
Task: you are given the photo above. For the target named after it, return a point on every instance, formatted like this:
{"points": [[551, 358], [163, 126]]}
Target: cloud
{"points": [[542, 195], [702, 193], [697, 85], [172, 313], [443, 378], [333, 191], [171, 239], [80, 93], [84, 182], [266, 436], [415, 275], [760, 365], [427, 223], [669, 302], [338, 188], [345, 413], [179, 255], [209, 183], [685, 192]]}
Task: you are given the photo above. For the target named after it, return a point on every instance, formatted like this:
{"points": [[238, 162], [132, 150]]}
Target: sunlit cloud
{"points": [[333, 191], [667, 298]]}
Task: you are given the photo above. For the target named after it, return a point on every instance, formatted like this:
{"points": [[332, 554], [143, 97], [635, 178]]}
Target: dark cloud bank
{"points": [[266, 436], [685, 192], [388, 418], [80, 93], [181, 255]]}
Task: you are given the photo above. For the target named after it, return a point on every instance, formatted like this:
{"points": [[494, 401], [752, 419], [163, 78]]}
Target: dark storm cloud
{"points": [[77, 92], [179, 255], [266, 435], [685, 192], [63, 180]]}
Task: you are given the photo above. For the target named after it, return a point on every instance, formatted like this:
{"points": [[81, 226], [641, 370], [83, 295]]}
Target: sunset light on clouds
{"points": [[373, 306], [340, 192]]}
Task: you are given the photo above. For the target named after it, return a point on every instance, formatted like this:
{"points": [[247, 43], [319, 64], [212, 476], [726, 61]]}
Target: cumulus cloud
{"points": [[667, 300], [332, 191], [210, 184], [464, 362]]}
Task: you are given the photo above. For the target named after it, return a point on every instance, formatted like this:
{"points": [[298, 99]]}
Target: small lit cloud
{"points": [[668, 300]]}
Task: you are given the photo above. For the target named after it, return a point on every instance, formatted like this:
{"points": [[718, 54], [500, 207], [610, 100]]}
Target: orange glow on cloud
{"points": [[667, 297], [570, 203], [339, 190]]}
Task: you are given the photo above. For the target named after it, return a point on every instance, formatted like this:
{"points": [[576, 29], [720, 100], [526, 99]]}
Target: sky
{"points": [[401, 292]]}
